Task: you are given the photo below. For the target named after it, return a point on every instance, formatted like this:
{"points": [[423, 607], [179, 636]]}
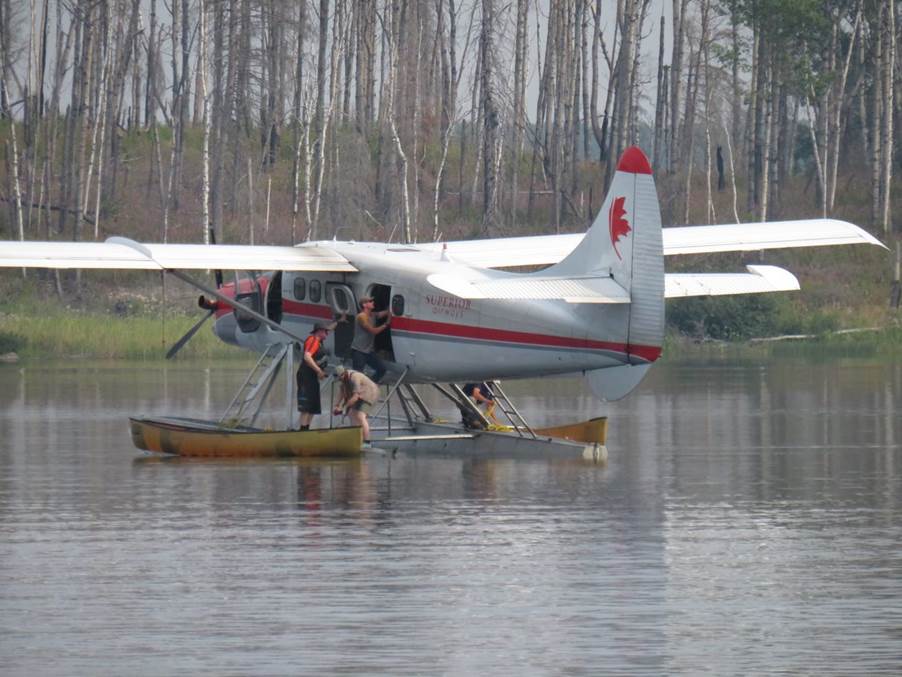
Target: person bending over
{"points": [[358, 394]]}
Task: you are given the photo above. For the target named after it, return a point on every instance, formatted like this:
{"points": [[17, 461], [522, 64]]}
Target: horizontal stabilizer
{"points": [[759, 279], [569, 289], [117, 255]]}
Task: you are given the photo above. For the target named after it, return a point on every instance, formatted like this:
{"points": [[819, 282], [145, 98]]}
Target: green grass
{"points": [[37, 325], [102, 336]]}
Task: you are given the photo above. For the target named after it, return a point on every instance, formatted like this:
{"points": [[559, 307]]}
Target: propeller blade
{"points": [[177, 346]]}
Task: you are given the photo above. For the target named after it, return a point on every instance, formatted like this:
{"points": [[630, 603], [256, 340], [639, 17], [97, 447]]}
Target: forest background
{"points": [[277, 121]]}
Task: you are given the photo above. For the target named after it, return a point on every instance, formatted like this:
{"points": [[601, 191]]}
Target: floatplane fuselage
{"points": [[434, 335]]}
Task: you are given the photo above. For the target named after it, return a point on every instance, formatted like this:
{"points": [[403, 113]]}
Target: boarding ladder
{"points": [[459, 397], [513, 415], [409, 400], [246, 405]]}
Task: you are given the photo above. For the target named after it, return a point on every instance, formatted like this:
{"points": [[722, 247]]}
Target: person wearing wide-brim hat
{"points": [[310, 373]]}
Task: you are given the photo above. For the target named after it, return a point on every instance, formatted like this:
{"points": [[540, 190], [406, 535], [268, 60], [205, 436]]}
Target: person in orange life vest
{"points": [[310, 373]]}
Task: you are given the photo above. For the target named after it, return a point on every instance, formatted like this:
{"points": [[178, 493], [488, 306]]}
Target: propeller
{"points": [[209, 305]]}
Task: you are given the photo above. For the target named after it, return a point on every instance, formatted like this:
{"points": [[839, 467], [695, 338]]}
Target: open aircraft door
{"points": [[384, 344], [343, 303]]}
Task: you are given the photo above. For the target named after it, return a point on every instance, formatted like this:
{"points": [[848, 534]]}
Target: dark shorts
{"points": [[361, 405], [308, 393]]}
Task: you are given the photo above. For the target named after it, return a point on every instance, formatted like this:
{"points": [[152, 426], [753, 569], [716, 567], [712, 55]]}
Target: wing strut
{"points": [[236, 304], [144, 251]]}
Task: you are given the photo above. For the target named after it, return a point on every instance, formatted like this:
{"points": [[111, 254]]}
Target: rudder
{"points": [[625, 243]]}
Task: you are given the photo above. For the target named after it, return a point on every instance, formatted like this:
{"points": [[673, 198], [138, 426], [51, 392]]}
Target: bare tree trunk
{"points": [[710, 212], [446, 142], [217, 112], [334, 70], [164, 206], [126, 33], [877, 112], [393, 69], [6, 114], [417, 106], [205, 224], [520, 45], [489, 115], [766, 151], [886, 131], [862, 101], [732, 174], [101, 120], [625, 76], [318, 124], [816, 150], [250, 199], [20, 223], [840, 106], [676, 74], [150, 94], [659, 101]]}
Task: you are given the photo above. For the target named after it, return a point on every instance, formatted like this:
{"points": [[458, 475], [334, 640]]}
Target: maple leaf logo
{"points": [[617, 224]]}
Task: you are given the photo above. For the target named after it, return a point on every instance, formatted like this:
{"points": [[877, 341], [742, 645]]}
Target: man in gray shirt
{"points": [[365, 332]]}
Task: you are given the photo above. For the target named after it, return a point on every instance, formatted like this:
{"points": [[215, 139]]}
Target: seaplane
{"points": [[593, 304]]}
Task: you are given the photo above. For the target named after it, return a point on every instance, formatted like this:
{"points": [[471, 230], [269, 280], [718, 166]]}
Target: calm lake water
{"points": [[749, 521]]}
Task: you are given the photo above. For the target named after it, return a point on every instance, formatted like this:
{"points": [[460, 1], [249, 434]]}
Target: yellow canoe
{"points": [[192, 437], [592, 431], [595, 430]]}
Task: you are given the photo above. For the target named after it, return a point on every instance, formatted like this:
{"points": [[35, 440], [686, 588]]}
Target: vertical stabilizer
{"points": [[624, 243]]}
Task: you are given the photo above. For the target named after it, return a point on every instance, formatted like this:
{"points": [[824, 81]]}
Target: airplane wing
{"points": [[746, 237], [120, 253], [537, 250]]}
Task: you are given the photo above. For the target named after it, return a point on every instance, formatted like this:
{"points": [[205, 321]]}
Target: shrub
{"points": [[725, 318], [9, 343]]}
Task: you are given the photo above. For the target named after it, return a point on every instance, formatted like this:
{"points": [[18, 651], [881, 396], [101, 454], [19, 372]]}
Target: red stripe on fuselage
{"points": [[308, 309], [650, 353]]}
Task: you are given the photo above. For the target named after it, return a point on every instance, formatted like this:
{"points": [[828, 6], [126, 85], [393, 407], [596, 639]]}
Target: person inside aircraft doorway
{"points": [[366, 330]]}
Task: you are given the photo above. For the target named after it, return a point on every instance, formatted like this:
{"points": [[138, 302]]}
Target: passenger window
{"points": [[397, 305], [316, 290], [300, 288]]}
